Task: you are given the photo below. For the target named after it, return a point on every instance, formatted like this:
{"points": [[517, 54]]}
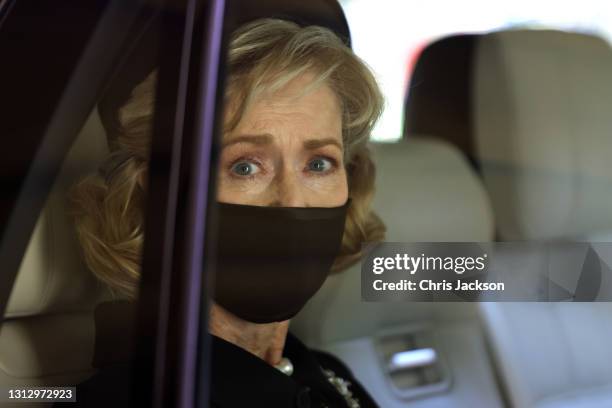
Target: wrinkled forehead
{"points": [[304, 96]]}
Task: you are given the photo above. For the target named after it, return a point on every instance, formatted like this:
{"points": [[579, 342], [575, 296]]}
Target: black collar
{"points": [[240, 378]]}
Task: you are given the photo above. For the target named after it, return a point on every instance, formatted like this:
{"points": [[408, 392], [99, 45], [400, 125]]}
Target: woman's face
{"points": [[286, 151]]}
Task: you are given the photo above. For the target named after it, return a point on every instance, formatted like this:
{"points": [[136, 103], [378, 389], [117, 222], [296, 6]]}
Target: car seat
{"points": [[534, 122], [47, 335]]}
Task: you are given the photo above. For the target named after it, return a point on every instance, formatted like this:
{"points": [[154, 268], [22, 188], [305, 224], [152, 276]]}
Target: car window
{"points": [[80, 83]]}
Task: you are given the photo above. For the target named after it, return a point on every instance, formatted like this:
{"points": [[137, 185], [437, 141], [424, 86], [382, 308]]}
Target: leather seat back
{"points": [[535, 123]]}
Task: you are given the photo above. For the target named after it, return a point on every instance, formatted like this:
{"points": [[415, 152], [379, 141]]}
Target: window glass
{"points": [[70, 320]]}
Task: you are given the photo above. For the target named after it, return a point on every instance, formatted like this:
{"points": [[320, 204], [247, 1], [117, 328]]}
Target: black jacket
{"points": [[238, 378]]}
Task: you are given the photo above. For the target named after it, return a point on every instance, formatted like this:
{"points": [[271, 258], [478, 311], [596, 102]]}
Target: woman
{"points": [[295, 172]]}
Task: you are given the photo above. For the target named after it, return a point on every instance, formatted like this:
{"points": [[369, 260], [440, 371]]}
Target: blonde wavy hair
{"points": [[263, 56]]}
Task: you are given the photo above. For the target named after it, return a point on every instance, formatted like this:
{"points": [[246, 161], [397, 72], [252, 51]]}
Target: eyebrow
{"points": [[266, 139], [313, 144]]}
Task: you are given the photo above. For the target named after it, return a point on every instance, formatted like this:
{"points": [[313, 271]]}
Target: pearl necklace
{"points": [[285, 366]]}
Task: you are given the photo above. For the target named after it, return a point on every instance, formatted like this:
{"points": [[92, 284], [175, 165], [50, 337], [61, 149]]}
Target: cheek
{"points": [[234, 191], [330, 191]]}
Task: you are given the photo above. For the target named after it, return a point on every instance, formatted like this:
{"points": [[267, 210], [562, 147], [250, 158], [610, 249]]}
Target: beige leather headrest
{"points": [[543, 132], [52, 276], [426, 191]]}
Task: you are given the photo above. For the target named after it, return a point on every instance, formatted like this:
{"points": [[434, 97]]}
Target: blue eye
{"points": [[320, 165], [244, 168]]}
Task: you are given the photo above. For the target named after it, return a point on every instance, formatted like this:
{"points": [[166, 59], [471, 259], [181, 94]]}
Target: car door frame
{"points": [[173, 260]]}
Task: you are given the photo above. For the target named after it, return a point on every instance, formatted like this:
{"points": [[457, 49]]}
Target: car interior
{"points": [[507, 137], [521, 155]]}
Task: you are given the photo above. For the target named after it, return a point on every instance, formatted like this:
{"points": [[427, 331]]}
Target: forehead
{"points": [[301, 106]]}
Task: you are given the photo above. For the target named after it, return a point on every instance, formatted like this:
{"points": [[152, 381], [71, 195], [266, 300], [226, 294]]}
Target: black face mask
{"points": [[272, 260]]}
